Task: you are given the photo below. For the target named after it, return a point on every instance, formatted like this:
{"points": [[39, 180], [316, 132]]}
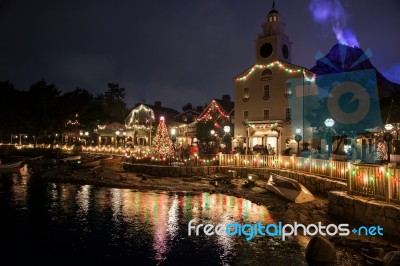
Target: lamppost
{"points": [[329, 124], [116, 138], [212, 132], [80, 137], [173, 138], [86, 137], [124, 143], [298, 138], [227, 139], [387, 136]]}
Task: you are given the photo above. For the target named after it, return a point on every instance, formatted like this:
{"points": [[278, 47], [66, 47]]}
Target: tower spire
{"points": [[273, 4]]}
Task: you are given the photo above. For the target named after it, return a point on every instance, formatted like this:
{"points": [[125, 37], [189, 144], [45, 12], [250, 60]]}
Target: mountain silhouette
{"points": [[342, 58]]}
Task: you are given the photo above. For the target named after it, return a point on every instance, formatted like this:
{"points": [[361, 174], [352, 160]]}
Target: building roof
{"points": [[190, 116], [225, 104], [159, 110]]}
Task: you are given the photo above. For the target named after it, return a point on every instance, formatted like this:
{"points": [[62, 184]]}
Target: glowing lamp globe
{"points": [[329, 122], [162, 118], [388, 127], [227, 129]]}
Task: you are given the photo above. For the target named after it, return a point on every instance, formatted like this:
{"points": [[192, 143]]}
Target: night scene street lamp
{"points": [[387, 136], [227, 137], [173, 138], [212, 132], [298, 138], [329, 123], [116, 138], [124, 134], [86, 137]]}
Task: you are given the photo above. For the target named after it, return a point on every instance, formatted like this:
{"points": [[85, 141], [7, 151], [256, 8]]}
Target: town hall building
{"points": [[263, 115]]}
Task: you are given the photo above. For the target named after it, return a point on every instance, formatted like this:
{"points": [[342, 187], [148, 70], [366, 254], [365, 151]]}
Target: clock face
{"points": [[266, 50], [285, 51]]}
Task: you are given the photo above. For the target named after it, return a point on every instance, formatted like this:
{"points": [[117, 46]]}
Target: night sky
{"points": [[175, 51]]}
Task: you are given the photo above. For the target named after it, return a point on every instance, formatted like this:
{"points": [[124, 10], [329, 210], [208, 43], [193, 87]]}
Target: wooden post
{"points": [[387, 184], [349, 181]]}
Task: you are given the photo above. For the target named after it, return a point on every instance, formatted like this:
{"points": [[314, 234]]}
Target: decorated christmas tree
{"points": [[162, 144]]}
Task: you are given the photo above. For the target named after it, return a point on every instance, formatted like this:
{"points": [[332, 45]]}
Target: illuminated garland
{"points": [[72, 123], [133, 118], [211, 108], [279, 65]]}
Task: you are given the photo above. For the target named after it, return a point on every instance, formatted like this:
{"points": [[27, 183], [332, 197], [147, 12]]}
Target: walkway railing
{"points": [[376, 181], [381, 182]]}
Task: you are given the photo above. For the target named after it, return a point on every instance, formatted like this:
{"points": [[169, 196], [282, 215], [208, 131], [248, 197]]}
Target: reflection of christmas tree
{"points": [[162, 144], [381, 153]]}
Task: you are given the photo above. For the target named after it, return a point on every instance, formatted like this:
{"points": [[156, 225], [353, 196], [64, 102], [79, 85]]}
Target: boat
{"points": [[88, 163], [289, 189], [42, 163], [71, 158], [16, 165], [17, 168], [110, 160]]}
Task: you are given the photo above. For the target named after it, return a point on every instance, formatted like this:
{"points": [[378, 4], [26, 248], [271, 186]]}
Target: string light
{"points": [[212, 112], [274, 64], [133, 119]]}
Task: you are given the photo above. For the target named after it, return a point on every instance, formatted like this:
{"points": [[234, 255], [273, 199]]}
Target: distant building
{"points": [[220, 112], [113, 134], [184, 127], [142, 122]]}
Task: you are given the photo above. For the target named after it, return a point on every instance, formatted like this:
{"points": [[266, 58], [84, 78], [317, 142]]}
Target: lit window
{"points": [[288, 91], [266, 114], [266, 92], [184, 118], [246, 94], [288, 115]]}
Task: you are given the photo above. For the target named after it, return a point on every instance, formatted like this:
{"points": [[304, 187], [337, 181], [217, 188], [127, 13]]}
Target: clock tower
{"points": [[273, 44]]}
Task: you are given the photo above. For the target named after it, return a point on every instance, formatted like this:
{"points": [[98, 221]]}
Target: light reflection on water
{"points": [[152, 227]]}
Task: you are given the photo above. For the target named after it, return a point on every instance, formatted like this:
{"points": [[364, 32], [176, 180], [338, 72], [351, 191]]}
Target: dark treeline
{"points": [[43, 110]]}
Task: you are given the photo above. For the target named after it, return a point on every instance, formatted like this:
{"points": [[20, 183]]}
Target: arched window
{"points": [[266, 72], [266, 75]]}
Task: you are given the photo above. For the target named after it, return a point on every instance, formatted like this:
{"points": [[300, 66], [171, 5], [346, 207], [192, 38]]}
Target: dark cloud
{"points": [[174, 51]]}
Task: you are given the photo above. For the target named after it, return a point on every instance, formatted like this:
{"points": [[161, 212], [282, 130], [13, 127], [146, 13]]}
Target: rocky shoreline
{"points": [[311, 212]]}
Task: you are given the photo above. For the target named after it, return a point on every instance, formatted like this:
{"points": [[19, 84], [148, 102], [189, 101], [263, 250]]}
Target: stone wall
{"points": [[315, 184], [171, 171], [365, 211]]}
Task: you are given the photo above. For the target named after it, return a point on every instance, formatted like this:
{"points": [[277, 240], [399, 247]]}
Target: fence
{"points": [[377, 181], [381, 182]]}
